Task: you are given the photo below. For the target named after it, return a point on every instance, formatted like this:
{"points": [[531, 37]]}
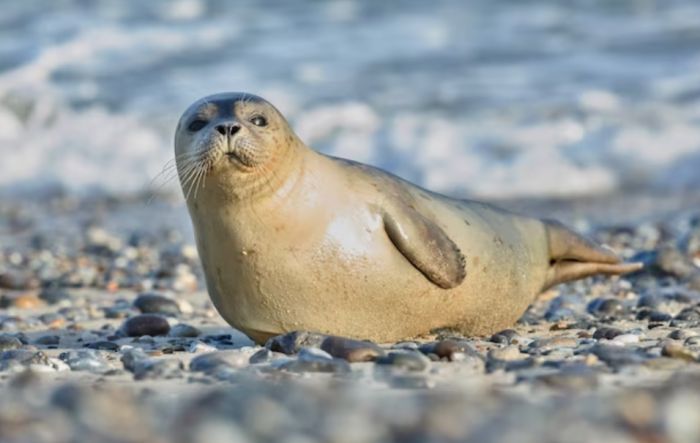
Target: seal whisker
{"points": [[188, 178], [198, 180]]}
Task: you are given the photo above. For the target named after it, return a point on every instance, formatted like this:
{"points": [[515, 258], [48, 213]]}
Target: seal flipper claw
{"points": [[426, 246], [573, 256]]}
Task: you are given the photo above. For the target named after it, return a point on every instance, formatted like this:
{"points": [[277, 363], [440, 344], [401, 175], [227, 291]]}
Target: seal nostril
{"points": [[221, 129], [233, 129]]}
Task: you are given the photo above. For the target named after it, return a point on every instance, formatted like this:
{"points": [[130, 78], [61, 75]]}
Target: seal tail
{"points": [[573, 256]]}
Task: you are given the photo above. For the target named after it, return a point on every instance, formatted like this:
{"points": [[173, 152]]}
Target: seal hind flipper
{"points": [[573, 256], [426, 246]]}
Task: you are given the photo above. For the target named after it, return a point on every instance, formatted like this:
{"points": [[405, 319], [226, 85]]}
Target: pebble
{"points": [[405, 360], [351, 350], [151, 303], [133, 357], [578, 379], [617, 356], [507, 353], [682, 334], [184, 330], [199, 347], [626, 339], [675, 349], [504, 337], [26, 301], [262, 356], [17, 280], [146, 324], [606, 307], [23, 357], [158, 369], [53, 296], [8, 342], [313, 354], [292, 342], [651, 301], [103, 345], [449, 349], [48, 340], [52, 320], [213, 361], [694, 282], [544, 345], [672, 261], [85, 360], [606, 333], [329, 366], [691, 314]]}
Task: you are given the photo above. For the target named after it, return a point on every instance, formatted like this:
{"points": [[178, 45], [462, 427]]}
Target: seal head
{"points": [[230, 138]]}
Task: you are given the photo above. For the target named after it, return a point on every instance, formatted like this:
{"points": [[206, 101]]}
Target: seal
{"points": [[291, 239]]}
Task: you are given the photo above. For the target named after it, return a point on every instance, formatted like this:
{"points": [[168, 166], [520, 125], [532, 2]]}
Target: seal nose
{"points": [[228, 129]]}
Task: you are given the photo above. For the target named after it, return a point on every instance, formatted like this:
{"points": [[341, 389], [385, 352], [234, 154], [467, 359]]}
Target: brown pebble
{"points": [[351, 350], [675, 349], [449, 348], [27, 301]]}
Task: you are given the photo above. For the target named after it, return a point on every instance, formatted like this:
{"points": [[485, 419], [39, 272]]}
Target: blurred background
{"points": [[490, 99]]}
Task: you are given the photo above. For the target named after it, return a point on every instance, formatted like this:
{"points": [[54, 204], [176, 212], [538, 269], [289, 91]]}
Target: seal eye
{"points": [[258, 120], [196, 125]]}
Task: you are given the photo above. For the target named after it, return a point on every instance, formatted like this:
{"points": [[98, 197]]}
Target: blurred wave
{"points": [[494, 99]]}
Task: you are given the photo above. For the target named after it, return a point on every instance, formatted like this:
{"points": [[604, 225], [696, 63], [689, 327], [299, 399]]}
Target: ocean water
{"points": [[513, 98]]}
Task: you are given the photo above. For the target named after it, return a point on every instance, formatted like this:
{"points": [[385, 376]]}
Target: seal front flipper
{"points": [[425, 245], [573, 256]]}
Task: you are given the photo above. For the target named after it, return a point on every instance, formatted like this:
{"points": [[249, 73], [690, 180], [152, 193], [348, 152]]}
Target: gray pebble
{"points": [[153, 369], [212, 361], [605, 307], [103, 346], [151, 303], [292, 342], [48, 340], [691, 314], [8, 342], [262, 356], [682, 334], [335, 365], [618, 356], [507, 353], [85, 360], [578, 379], [133, 357], [651, 301], [184, 330], [146, 324], [504, 337], [406, 360], [54, 296], [23, 357], [313, 354], [606, 333]]}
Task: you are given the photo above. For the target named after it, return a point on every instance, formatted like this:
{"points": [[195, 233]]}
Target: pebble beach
{"points": [[107, 335], [585, 111]]}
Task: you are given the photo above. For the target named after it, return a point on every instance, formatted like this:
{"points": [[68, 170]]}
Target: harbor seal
{"points": [[291, 239]]}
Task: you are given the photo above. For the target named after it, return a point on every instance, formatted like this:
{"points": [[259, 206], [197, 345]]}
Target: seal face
{"points": [[292, 239], [237, 132]]}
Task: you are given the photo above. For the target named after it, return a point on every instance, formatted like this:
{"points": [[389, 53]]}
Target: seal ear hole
{"points": [[259, 120], [196, 125]]}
